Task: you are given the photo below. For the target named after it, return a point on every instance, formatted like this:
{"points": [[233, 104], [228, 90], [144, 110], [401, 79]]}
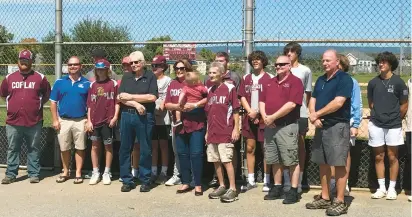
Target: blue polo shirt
{"points": [[325, 91], [71, 97]]}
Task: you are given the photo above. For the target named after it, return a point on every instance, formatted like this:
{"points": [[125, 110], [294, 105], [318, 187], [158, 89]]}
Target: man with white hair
{"points": [[137, 94]]}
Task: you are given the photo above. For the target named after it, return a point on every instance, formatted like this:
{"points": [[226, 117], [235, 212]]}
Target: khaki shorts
{"points": [[222, 152], [72, 131]]}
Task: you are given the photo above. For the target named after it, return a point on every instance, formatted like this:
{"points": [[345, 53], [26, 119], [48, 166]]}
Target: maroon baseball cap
{"points": [[159, 59], [102, 64], [26, 54]]}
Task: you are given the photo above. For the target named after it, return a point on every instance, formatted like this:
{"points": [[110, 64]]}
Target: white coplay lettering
{"points": [[23, 85]]}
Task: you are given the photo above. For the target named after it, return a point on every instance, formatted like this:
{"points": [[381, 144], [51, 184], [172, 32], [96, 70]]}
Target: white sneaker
{"points": [[174, 180], [120, 180], [95, 178], [410, 198], [107, 178], [265, 187], [379, 194], [391, 194]]}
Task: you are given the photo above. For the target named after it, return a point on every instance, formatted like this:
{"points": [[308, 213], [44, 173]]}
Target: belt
{"points": [[286, 123], [132, 111], [72, 118]]}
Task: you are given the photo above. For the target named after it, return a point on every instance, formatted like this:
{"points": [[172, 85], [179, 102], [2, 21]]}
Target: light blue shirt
{"points": [[355, 105]]}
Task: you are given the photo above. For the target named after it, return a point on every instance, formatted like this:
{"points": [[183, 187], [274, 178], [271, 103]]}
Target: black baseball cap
{"points": [[98, 52]]}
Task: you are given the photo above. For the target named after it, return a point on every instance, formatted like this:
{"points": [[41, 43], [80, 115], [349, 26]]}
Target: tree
{"points": [[47, 51], [207, 54], [8, 54], [236, 67], [150, 50], [33, 48]]}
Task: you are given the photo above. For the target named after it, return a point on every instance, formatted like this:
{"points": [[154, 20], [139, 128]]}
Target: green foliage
{"points": [[207, 54], [151, 50], [8, 54], [47, 51], [236, 67]]}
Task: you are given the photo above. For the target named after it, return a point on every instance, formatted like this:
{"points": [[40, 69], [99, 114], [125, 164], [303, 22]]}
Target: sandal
{"points": [[62, 179], [78, 180]]}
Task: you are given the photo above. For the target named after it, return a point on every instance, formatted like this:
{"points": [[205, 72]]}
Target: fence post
{"points": [[248, 31], [58, 64]]}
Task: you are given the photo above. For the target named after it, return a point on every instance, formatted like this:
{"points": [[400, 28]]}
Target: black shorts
{"points": [[161, 132], [303, 126], [103, 133]]}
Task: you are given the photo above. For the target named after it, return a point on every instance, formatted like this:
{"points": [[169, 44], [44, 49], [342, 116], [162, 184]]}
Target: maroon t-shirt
{"points": [[25, 96], [101, 100], [245, 90], [191, 122], [276, 94], [221, 102]]}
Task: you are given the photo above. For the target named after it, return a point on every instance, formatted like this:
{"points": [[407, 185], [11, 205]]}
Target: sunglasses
{"points": [[135, 62], [281, 64], [180, 68], [73, 64], [155, 65]]}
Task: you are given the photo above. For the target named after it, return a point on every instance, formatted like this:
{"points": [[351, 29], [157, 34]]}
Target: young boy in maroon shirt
{"points": [[222, 131], [103, 111]]}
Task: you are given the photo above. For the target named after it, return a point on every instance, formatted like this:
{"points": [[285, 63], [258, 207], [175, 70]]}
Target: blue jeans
{"points": [[133, 125], [190, 150], [15, 135]]}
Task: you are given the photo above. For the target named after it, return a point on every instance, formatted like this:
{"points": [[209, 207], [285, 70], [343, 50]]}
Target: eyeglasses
{"points": [[155, 65], [180, 68], [281, 64], [135, 62], [73, 64]]}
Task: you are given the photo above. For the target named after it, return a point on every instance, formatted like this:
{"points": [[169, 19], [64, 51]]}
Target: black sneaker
{"points": [[8, 180], [145, 188], [337, 208], [247, 187], [127, 187], [274, 193], [319, 203], [292, 196], [214, 182]]}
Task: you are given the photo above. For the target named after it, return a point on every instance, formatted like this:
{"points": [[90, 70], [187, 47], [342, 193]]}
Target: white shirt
{"points": [[305, 75]]}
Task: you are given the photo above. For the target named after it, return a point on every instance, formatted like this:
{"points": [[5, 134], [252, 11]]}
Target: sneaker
{"points": [[319, 203], [291, 197], [145, 188], [378, 194], [127, 188], [107, 178], [410, 198], [247, 187], [95, 178], [161, 179], [337, 208], [88, 175], [8, 180], [229, 196], [214, 182], [266, 187], [120, 180], [216, 194], [274, 193], [34, 180], [391, 194], [174, 180]]}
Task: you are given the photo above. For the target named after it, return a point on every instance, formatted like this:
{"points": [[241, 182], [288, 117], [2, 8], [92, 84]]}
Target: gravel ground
{"points": [[51, 199]]}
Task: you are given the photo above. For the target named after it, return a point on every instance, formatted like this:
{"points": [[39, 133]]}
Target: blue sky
{"points": [[217, 19]]}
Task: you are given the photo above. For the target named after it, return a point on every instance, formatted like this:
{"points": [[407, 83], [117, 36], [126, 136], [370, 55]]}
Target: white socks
{"points": [[96, 170], [392, 185], [251, 178], [154, 170], [164, 170], [107, 170], [382, 184]]}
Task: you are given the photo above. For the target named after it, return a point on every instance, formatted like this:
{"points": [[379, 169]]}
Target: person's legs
{"points": [[164, 151], [340, 176], [377, 142], [33, 135], [174, 180], [250, 158], [196, 144], [107, 137], [65, 138], [15, 139], [79, 139], [135, 159], [182, 147], [324, 172], [126, 143], [219, 173], [96, 138], [380, 166], [393, 167], [155, 150], [144, 129]]}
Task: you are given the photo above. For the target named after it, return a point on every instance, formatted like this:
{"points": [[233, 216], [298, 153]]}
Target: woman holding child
{"points": [[189, 123]]}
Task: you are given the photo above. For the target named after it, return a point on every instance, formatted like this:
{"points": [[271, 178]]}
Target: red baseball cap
{"points": [[102, 64], [126, 60], [26, 54], [159, 59]]}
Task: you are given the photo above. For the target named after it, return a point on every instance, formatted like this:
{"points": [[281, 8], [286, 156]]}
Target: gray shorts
{"points": [[331, 145], [281, 145], [303, 126]]}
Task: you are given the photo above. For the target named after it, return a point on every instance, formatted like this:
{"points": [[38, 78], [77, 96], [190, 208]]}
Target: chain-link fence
{"points": [[358, 29]]}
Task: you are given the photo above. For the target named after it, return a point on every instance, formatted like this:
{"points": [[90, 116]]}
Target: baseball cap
{"points": [[159, 59], [102, 64], [98, 52], [26, 54], [126, 60], [136, 56]]}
